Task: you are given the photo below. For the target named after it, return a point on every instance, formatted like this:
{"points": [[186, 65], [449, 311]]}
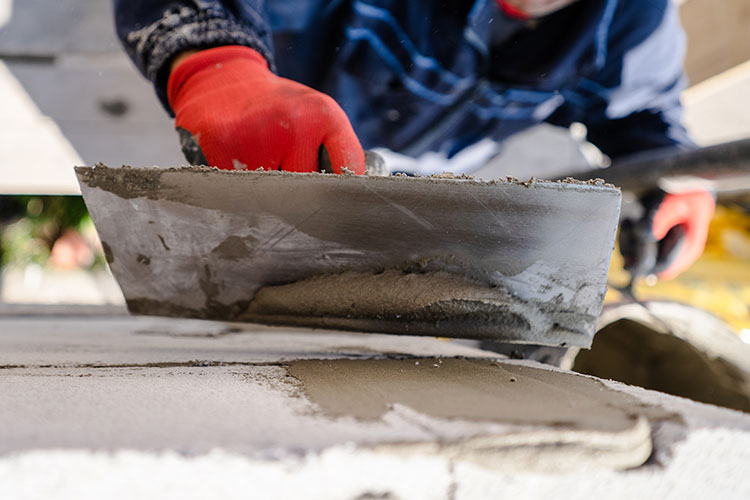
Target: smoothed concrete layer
{"points": [[480, 390], [562, 421]]}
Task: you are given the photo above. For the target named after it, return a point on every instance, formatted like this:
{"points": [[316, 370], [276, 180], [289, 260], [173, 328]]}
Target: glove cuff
{"points": [[211, 60], [512, 11]]}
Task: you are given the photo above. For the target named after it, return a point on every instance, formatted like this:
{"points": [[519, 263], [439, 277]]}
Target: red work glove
{"points": [[670, 236], [233, 112]]}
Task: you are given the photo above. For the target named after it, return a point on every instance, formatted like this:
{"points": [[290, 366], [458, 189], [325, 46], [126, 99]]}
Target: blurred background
{"points": [[70, 96]]}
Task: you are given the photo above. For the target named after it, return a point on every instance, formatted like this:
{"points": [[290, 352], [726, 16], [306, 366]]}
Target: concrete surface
{"points": [[101, 406]]}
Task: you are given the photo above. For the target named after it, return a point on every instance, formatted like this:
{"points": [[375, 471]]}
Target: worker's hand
{"points": [[231, 111], [671, 234]]}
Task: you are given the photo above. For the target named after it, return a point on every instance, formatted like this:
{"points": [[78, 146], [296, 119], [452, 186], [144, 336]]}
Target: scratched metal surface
{"points": [[200, 242]]}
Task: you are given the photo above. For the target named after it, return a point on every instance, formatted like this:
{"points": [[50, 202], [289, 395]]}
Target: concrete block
{"points": [[124, 407]]}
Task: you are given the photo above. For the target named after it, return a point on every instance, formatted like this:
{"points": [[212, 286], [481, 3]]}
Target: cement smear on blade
{"points": [[405, 302]]}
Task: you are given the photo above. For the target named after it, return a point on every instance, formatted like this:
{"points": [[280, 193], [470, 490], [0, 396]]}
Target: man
{"points": [[249, 83]]}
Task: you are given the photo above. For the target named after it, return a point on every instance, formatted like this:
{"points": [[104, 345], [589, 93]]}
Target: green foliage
{"points": [[33, 223]]}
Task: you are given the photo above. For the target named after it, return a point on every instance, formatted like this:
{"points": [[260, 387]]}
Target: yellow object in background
{"points": [[719, 282]]}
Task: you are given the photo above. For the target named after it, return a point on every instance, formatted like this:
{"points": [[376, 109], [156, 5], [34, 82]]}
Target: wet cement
{"points": [[392, 295], [431, 303], [128, 182], [387, 294], [478, 390]]}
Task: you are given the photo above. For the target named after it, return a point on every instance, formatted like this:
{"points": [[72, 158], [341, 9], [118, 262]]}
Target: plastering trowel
{"points": [[446, 256]]}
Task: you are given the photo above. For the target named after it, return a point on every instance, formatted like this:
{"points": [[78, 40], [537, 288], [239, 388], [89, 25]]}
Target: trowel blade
{"points": [[443, 256]]}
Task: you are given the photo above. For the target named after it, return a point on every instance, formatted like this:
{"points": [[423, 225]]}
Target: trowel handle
{"points": [[646, 171]]}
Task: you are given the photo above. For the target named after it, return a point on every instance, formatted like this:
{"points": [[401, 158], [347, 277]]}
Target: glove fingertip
{"points": [[349, 157]]}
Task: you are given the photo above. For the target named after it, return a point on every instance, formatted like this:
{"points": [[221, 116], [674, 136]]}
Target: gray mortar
{"points": [[131, 182], [481, 390], [430, 303], [143, 182]]}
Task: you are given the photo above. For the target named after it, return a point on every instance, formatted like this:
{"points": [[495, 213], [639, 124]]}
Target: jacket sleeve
{"points": [[153, 32], [632, 102]]}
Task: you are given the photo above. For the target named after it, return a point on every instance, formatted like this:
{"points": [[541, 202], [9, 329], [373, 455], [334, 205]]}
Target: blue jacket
{"points": [[428, 75]]}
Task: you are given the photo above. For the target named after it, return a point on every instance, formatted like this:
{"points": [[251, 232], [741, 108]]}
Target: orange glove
{"points": [[231, 111], [671, 235]]}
